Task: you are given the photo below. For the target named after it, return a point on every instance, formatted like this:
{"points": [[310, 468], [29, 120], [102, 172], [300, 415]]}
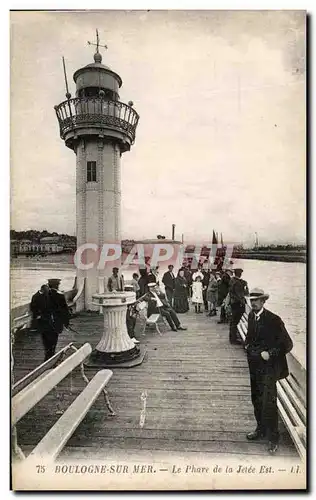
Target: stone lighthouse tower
{"points": [[98, 128]]}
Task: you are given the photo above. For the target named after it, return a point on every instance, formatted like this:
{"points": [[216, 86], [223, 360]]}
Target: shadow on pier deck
{"points": [[198, 396]]}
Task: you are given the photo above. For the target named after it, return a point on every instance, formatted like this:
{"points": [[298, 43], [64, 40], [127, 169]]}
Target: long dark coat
{"points": [[181, 304], [223, 288], [268, 334], [169, 280], [61, 314], [41, 308]]}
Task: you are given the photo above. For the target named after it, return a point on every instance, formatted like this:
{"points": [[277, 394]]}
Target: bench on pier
{"points": [[31, 389], [291, 401]]}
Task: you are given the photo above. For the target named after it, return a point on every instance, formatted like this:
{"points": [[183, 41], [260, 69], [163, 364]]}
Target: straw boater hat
{"points": [[151, 285], [258, 293]]}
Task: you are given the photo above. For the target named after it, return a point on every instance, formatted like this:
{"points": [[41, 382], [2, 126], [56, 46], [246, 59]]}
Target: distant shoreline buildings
{"points": [[40, 243]]}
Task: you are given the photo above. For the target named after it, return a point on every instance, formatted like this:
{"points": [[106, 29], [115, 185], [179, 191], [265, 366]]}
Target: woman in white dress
{"points": [[197, 294]]}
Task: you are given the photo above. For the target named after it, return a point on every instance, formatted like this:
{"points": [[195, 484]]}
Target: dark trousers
{"points": [[171, 317], [205, 300], [264, 399], [223, 317], [130, 324], [50, 339], [170, 293], [237, 312]]}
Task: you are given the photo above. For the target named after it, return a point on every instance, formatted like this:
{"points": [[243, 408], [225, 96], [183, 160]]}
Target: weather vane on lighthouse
{"points": [[97, 45]]}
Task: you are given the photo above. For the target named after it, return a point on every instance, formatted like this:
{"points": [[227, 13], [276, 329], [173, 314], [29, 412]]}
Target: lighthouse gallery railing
{"points": [[78, 112]]}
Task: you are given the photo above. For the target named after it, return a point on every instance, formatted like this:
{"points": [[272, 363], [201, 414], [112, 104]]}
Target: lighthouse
{"points": [[98, 127]]}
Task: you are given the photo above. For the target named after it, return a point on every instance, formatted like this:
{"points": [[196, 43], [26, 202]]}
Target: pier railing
{"points": [[80, 112]]}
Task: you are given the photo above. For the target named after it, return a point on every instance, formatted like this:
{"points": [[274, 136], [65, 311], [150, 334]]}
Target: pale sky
{"points": [[221, 138]]}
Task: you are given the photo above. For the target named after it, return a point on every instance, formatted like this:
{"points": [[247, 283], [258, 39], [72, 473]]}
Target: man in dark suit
{"points": [[158, 304], [267, 344], [169, 282], [205, 283], [238, 290]]}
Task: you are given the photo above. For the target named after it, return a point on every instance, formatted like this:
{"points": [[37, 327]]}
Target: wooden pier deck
{"points": [[198, 395]]}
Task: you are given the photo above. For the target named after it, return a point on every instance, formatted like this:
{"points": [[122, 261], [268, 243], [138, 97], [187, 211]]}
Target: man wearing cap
{"points": [[115, 282], [267, 343], [238, 290], [158, 304]]}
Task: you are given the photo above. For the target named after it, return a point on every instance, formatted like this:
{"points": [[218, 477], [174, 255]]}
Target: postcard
{"points": [[158, 250]]}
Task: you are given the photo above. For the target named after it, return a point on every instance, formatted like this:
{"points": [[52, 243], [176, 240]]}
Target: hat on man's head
{"points": [[238, 269], [151, 285], [54, 282], [258, 293], [228, 270]]}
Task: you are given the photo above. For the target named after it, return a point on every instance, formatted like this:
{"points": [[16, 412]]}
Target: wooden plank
{"points": [[22, 402], [181, 446], [58, 435], [184, 435]]}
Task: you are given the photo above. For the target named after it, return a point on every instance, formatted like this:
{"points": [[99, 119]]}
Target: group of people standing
{"points": [[208, 288]]}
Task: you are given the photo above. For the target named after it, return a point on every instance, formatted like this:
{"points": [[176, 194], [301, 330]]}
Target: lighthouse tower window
{"points": [[91, 171]]}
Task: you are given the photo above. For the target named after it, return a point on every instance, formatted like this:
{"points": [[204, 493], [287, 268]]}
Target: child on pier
{"points": [[197, 293]]}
